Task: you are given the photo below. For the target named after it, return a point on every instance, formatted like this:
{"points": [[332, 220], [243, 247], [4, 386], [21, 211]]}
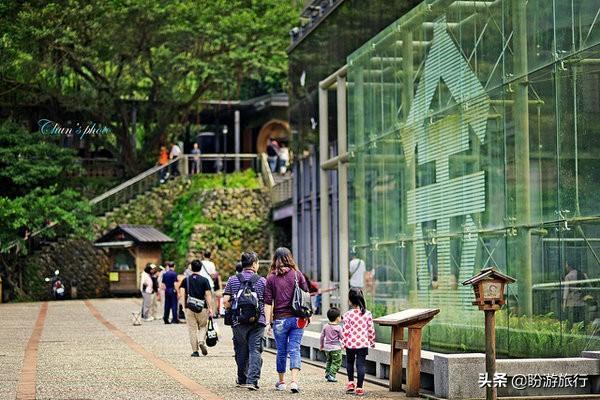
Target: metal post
{"points": [[324, 197], [522, 168], [409, 168], [360, 202], [342, 138], [295, 204], [312, 249], [237, 139]]}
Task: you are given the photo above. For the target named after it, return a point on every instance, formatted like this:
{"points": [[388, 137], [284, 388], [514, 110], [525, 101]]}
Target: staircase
{"points": [[280, 186], [113, 200]]}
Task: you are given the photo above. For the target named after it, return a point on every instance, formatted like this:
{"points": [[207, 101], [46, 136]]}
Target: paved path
{"points": [[91, 350]]}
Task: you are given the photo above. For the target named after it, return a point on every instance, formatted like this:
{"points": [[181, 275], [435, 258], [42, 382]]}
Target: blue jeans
{"points": [[287, 338], [248, 346], [272, 163]]}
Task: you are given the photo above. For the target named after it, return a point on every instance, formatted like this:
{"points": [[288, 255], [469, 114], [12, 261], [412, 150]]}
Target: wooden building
{"points": [[130, 248]]}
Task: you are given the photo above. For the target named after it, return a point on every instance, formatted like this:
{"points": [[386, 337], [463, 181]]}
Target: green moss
{"points": [[188, 213]]}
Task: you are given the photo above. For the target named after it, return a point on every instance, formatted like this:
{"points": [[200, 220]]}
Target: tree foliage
{"points": [[29, 161], [34, 193], [101, 59]]}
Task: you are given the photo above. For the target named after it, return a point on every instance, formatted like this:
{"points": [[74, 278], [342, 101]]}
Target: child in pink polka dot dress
{"points": [[358, 336]]}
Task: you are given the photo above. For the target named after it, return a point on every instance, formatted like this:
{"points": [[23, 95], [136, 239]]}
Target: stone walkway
{"points": [[91, 350]]}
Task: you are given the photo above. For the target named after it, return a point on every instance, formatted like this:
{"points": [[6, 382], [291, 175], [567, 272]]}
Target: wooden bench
{"points": [[414, 319]]}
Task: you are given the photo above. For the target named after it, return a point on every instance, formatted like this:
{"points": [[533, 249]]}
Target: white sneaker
{"points": [[149, 319], [294, 387], [280, 386]]}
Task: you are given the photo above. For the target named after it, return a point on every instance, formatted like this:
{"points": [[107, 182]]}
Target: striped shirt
{"points": [[233, 287]]}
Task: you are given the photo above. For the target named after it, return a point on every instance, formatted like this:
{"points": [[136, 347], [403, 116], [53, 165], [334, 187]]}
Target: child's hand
{"points": [[321, 348]]}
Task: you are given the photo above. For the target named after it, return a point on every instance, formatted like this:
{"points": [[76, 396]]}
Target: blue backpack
{"points": [[246, 306]]}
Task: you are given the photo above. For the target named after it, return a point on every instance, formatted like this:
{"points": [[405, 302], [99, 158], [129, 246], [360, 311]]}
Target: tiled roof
{"points": [[139, 233]]}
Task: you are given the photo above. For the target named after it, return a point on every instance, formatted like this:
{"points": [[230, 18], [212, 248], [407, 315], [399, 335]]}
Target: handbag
{"points": [[301, 302], [212, 336], [192, 303]]}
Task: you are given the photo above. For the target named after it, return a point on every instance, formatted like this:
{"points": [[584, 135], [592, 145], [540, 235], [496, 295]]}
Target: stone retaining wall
{"points": [[243, 214]]}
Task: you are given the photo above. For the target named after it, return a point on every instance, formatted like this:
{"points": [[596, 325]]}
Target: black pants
{"points": [[248, 346], [360, 356]]}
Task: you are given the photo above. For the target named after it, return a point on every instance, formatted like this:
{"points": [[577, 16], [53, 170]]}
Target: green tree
{"points": [[29, 161], [34, 193], [138, 66]]}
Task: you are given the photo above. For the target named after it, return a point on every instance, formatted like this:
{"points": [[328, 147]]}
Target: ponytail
{"points": [[357, 299]]}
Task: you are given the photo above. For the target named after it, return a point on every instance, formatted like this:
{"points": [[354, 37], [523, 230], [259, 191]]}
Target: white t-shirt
{"points": [[210, 266], [357, 273], [188, 272], [175, 151]]}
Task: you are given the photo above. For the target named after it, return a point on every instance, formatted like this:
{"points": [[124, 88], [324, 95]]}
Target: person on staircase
{"points": [[272, 154], [173, 155], [163, 160], [284, 159], [196, 166]]}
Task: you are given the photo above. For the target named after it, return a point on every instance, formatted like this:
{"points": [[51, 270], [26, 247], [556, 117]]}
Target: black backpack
{"points": [[246, 306]]}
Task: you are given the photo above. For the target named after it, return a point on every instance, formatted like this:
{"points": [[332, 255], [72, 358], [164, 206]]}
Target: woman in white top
{"points": [[284, 158], [146, 290]]}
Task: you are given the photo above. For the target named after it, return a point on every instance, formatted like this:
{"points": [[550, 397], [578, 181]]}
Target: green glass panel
{"points": [[474, 130]]}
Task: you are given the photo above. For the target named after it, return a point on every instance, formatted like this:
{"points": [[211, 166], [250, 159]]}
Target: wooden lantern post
{"points": [[489, 286]]}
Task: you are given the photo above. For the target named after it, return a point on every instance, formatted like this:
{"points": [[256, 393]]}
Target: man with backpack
{"points": [[196, 295], [244, 297]]}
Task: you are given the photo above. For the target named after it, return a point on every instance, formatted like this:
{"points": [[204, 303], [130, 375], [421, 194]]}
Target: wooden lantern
{"points": [[488, 286]]}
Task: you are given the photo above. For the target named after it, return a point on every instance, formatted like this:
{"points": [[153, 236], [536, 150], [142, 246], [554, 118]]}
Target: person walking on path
{"points": [[196, 295], [146, 290], [287, 328], [357, 270], [244, 298], [161, 287], [210, 269], [358, 336], [331, 344], [169, 279], [155, 292]]}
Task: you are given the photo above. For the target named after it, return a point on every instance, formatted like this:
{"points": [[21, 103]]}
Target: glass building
{"points": [[473, 132]]}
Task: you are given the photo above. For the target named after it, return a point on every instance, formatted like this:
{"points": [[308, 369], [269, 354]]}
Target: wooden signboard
{"points": [[414, 319]]}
